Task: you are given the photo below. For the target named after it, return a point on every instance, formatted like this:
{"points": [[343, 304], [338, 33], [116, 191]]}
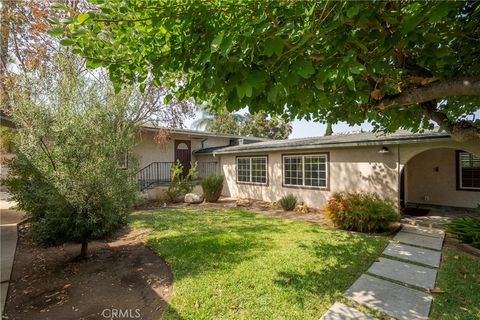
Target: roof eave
{"points": [[338, 145], [205, 134]]}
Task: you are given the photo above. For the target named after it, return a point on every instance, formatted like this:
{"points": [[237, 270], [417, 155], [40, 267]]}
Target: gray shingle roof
{"points": [[355, 139], [209, 150], [201, 133]]}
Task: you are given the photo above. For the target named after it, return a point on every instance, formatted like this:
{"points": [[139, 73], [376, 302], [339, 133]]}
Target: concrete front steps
{"points": [[397, 283]]}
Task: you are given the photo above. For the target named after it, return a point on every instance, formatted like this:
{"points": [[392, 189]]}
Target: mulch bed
{"points": [[257, 206], [122, 277]]}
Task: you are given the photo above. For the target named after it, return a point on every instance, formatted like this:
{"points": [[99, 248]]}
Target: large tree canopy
{"points": [[397, 64]]}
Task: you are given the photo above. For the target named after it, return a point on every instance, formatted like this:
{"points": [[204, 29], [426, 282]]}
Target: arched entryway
{"points": [[441, 177]]}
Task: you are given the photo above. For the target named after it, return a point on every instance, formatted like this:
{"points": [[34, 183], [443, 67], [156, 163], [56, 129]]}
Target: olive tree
{"points": [[74, 170]]}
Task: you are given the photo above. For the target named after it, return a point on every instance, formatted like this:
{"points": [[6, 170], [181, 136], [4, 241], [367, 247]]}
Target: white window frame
{"points": [[250, 171], [303, 185], [460, 178]]}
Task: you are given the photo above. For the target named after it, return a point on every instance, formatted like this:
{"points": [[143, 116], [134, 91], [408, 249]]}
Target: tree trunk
{"points": [[83, 250], [4, 39]]}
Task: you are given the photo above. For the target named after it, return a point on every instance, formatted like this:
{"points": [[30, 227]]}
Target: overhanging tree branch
{"points": [[466, 86], [460, 130]]}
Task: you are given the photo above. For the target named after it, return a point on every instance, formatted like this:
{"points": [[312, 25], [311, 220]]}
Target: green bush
{"points": [[466, 229], [181, 184], [212, 187], [288, 202], [364, 212], [65, 175]]}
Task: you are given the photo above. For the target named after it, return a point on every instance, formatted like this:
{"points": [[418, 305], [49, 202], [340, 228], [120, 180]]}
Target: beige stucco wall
{"points": [[356, 168], [360, 169], [431, 178], [148, 151], [363, 169]]}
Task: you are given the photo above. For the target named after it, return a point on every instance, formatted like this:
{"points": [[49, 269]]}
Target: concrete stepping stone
{"points": [[424, 231], [418, 240], [340, 311], [393, 299], [413, 254], [404, 272]]}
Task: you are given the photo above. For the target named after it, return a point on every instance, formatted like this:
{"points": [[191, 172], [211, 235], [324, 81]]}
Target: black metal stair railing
{"points": [[154, 174], [157, 173]]}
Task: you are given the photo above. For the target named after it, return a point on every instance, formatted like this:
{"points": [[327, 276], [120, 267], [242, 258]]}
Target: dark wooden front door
{"points": [[183, 153]]}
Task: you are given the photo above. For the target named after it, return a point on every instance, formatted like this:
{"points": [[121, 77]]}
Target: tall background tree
{"points": [[256, 125], [405, 64]]}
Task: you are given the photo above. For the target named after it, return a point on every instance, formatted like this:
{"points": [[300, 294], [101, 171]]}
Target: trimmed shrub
{"points": [[288, 202], [466, 229], [364, 212], [212, 187]]}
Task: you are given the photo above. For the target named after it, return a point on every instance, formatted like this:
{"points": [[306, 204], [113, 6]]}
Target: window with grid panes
{"points": [[469, 171], [305, 170], [252, 170]]}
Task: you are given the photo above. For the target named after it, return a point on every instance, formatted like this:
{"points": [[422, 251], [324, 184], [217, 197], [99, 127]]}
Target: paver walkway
{"points": [[397, 283], [9, 218]]}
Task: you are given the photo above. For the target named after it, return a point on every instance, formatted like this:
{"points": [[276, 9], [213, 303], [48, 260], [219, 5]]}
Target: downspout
{"points": [[203, 141], [399, 179]]}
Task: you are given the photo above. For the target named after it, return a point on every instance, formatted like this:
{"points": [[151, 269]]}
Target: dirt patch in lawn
{"points": [[122, 277], [263, 207]]}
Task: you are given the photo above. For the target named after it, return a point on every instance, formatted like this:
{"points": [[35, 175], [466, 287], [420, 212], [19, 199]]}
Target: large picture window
{"points": [[468, 171], [252, 170], [305, 170]]}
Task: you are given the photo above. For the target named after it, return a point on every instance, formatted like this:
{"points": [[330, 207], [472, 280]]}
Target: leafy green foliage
{"points": [[257, 125], [325, 61], [364, 212], [180, 183], [466, 229], [288, 202], [260, 125], [212, 187], [66, 175], [8, 137], [225, 122]]}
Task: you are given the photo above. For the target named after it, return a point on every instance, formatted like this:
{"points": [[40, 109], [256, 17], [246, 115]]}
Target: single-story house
{"points": [[427, 168]]}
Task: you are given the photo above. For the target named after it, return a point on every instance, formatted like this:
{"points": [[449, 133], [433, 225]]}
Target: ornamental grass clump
{"points": [[212, 187], [364, 212], [288, 202], [466, 229]]}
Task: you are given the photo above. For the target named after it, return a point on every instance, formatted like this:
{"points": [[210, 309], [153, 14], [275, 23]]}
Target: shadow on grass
{"points": [[340, 262], [195, 243]]}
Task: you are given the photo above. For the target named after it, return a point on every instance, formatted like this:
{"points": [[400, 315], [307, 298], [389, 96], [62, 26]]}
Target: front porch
{"points": [[158, 173], [443, 180]]}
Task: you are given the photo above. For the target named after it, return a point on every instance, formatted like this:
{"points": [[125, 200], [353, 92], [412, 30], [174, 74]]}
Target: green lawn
{"points": [[232, 263], [461, 299]]}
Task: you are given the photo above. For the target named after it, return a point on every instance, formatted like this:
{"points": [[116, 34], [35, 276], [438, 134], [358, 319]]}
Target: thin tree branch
{"points": [[44, 148]]}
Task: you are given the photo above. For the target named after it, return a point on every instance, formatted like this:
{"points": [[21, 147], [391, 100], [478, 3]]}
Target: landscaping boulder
{"points": [[193, 198], [243, 203]]}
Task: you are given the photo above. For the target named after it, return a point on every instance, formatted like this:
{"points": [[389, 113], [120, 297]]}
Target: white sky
{"points": [[303, 128]]}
